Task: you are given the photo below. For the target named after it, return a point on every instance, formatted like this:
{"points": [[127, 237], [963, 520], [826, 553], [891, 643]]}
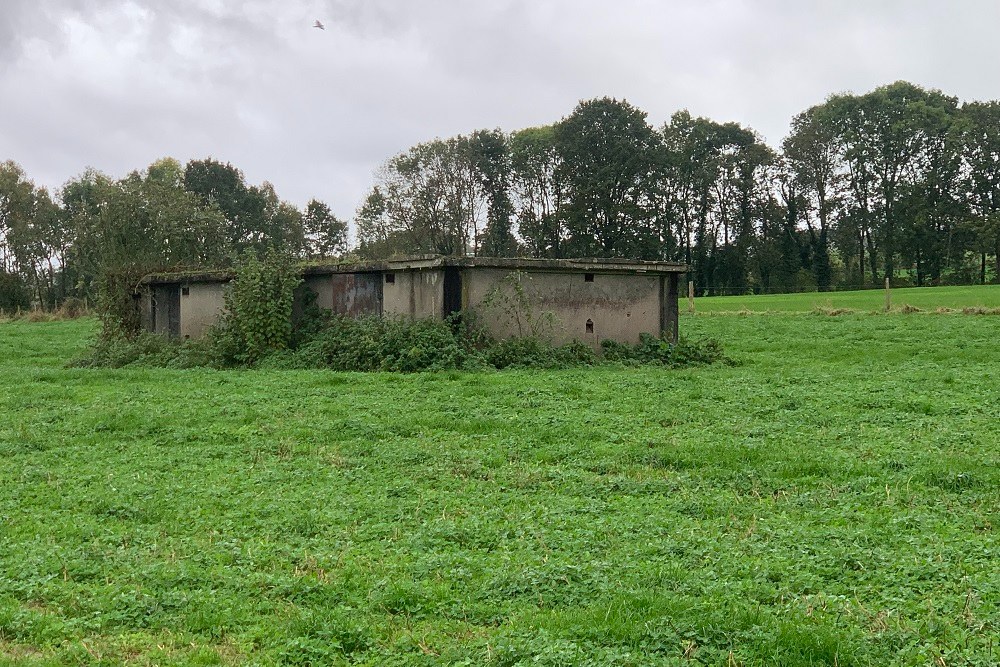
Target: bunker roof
{"points": [[423, 262]]}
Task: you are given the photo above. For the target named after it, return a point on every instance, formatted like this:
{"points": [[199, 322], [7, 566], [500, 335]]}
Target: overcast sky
{"points": [[115, 85]]}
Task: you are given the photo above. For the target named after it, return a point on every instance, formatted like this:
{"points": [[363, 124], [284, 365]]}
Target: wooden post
{"points": [[888, 295], [690, 296]]}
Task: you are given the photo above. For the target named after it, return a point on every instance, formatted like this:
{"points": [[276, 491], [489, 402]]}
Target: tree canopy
{"points": [[900, 182]]}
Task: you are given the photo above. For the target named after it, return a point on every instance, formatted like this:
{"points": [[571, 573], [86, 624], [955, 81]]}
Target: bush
{"points": [[72, 308], [658, 351], [258, 315], [533, 352], [117, 305], [14, 294], [383, 344], [396, 345], [146, 349]]}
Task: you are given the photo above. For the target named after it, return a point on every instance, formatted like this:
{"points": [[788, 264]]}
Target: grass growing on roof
{"points": [[832, 499]]}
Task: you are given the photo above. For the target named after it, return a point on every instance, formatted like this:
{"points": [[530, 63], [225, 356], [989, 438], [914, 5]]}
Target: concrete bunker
{"points": [[561, 300]]}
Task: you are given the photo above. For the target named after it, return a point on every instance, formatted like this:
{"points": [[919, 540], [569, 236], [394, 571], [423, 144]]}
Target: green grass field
{"points": [[924, 298], [832, 498]]}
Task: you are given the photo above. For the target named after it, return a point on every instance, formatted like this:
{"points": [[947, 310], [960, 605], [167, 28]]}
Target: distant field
{"points": [[832, 498], [926, 298]]}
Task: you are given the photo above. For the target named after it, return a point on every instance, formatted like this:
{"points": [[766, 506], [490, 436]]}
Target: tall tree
{"points": [[887, 137], [537, 191], [981, 152], [326, 234], [812, 153], [709, 182], [611, 162], [256, 219], [447, 196], [491, 166], [421, 203]]}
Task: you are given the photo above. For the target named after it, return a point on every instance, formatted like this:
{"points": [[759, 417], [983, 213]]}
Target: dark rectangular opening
{"points": [[452, 290], [588, 277], [390, 278], [166, 310], [590, 326], [185, 291]]}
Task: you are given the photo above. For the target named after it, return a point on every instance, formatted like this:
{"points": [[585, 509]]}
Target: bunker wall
{"points": [[564, 306], [201, 306], [417, 294]]}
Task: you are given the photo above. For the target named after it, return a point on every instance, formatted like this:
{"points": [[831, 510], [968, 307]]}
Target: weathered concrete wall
{"points": [[351, 294], [564, 306], [323, 288], [201, 307], [356, 294], [415, 294]]}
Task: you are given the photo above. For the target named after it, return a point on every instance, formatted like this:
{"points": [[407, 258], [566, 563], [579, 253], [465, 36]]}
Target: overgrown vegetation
{"points": [[387, 344], [117, 302], [14, 295], [831, 500], [257, 320]]}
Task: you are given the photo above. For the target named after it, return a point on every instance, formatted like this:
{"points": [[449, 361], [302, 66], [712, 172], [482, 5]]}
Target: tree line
{"points": [[901, 182], [168, 216]]}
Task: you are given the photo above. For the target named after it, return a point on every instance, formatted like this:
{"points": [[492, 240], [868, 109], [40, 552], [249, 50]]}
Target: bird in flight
{"points": [[319, 25]]}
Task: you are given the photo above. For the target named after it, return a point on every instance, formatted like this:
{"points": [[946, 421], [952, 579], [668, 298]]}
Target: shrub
{"points": [[653, 350], [396, 345], [529, 352], [13, 293], [146, 349], [72, 308], [384, 344], [258, 310], [118, 351], [532, 352], [117, 305]]}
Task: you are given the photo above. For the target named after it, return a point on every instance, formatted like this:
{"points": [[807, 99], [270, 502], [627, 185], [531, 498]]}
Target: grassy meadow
{"points": [[956, 298], [832, 497]]}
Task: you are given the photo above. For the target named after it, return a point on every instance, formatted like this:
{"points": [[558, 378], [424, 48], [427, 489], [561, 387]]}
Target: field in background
{"points": [[925, 298], [830, 499]]}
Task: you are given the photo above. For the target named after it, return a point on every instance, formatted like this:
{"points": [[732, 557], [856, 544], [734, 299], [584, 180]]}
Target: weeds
{"points": [[71, 309], [397, 345]]}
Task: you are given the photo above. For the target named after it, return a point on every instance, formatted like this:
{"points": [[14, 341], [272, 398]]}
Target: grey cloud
{"points": [[117, 84]]}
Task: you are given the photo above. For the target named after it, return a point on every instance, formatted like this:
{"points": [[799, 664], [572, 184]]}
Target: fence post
{"points": [[690, 296], [888, 295]]}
